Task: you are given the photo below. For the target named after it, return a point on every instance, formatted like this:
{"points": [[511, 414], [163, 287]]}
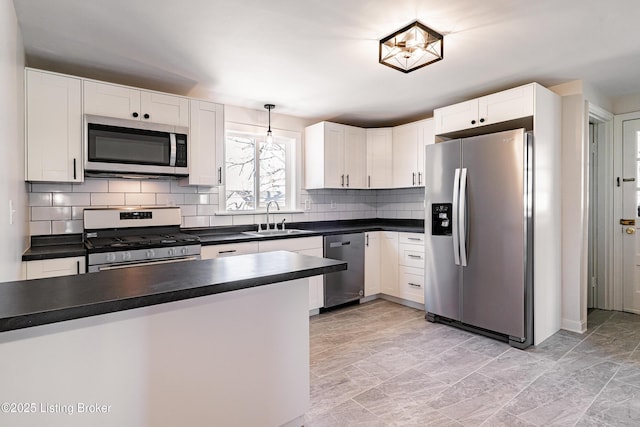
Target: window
{"points": [[257, 172]]}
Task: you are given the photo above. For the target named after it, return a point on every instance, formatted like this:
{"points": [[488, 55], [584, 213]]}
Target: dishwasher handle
{"points": [[338, 244]]}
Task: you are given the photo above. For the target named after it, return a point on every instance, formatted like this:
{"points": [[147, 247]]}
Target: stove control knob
{"points": [[126, 256], [172, 252], [150, 253], [111, 257], [184, 251]]}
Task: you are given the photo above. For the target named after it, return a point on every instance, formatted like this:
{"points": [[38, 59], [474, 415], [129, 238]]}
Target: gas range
{"points": [[123, 237]]}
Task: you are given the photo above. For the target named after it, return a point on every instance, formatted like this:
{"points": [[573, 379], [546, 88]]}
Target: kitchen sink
{"points": [[267, 233]]}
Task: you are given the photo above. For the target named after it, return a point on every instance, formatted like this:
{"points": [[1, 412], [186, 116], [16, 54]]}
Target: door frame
{"points": [[603, 209], [616, 291]]}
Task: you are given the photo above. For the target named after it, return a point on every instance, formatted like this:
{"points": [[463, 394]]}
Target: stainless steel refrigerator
{"points": [[479, 234]]}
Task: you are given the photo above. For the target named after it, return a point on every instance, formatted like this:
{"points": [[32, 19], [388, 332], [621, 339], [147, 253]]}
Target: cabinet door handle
{"points": [[369, 181], [414, 179], [135, 114], [146, 116], [481, 120], [415, 285], [473, 122], [74, 169], [342, 180], [414, 256], [419, 178], [230, 251], [77, 267], [220, 175], [367, 242], [347, 180], [415, 239]]}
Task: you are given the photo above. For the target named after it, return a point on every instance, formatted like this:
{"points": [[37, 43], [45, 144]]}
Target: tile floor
{"points": [[382, 364]]}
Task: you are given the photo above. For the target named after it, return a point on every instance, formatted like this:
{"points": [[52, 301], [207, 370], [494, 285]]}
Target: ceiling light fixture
{"points": [[269, 134], [412, 47]]}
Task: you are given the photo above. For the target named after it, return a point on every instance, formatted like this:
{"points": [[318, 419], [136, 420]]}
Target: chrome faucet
{"points": [[274, 219]]}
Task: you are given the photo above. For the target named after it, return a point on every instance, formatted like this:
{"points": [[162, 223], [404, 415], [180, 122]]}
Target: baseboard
{"points": [[297, 422], [369, 298], [408, 303], [574, 326]]}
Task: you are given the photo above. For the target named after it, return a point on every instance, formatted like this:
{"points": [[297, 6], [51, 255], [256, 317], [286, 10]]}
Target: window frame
{"points": [[293, 161]]}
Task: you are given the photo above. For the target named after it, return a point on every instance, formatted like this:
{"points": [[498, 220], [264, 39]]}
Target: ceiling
{"points": [[318, 59]]}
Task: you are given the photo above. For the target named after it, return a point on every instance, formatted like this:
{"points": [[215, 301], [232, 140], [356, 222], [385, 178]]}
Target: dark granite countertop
{"points": [[30, 303], [49, 247], [57, 246], [219, 235]]}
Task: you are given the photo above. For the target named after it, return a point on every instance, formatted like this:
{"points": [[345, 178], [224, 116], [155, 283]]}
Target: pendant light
{"points": [[269, 107]]}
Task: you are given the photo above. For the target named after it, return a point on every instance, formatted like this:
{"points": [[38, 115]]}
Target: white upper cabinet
{"points": [[355, 157], [53, 127], [499, 107], [335, 156], [408, 152], [206, 135], [104, 99], [379, 158]]}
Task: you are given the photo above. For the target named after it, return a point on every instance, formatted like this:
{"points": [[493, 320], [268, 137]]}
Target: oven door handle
{"points": [[140, 264]]}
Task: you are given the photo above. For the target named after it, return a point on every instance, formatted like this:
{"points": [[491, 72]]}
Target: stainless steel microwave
{"points": [[128, 147]]}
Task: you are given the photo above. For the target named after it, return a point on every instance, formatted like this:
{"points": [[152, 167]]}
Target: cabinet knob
{"points": [[473, 122], [146, 116], [481, 120], [135, 114]]}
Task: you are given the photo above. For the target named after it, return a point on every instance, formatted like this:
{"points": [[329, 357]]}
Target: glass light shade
{"points": [[411, 47]]}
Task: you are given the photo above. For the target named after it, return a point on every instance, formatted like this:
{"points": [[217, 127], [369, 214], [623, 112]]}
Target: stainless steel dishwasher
{"points": [[348, 285]]}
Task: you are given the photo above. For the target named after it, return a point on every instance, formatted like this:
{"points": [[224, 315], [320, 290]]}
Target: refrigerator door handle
{"points": [[462, 217], [455, 218]]}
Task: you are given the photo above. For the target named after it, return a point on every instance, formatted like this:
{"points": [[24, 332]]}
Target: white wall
{"points": [[12, 185]]}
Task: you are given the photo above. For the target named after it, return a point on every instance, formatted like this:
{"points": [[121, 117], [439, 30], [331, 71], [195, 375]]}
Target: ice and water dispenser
{"points": [[441, 219]]}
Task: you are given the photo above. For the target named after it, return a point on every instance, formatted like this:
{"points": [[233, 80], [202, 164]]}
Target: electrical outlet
{"points": [[333, 205], [307, 204], [11, 212]]}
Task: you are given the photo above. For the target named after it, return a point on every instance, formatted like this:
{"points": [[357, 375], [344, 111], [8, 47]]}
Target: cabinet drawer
{"points": [[411, 238], [231, 249], [411, 256], [54, 267], [411, 284], [295, 244]]}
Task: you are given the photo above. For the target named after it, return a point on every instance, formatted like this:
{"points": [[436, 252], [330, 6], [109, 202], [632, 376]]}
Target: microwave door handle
{"points": [[172, 152]]}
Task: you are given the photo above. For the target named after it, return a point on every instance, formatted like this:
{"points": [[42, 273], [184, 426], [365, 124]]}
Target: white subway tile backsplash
{"points": [[39, 228], [188, 210], [124, 186], [177, 188], [58, 208], [92, 186], [206, 209], [107, 199], [155, 187], [163, 199], [243, 219], [71, 199], [220, 220], [62, 227], [196, 199], [39, 213], [40, 199], [77, 212], [48, 187], [140, 199], [195, 221]]}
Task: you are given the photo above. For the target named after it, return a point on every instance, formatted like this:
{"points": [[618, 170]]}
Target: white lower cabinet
{"points": [[39, 269], [411, 266], [372, 263], [411, 284], [305, 246], [230, 249], [389, 263]]}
